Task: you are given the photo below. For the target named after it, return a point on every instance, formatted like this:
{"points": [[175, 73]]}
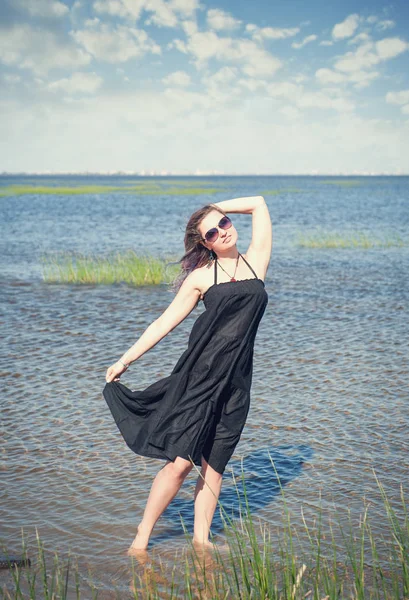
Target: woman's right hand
{"points": [[114, 372]]}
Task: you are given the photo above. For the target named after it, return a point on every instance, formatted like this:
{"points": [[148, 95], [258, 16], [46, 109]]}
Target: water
{"points": [[330, 383]]}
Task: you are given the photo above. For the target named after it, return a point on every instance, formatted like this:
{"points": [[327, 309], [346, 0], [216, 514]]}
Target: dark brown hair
{"points": [[196, 255]]}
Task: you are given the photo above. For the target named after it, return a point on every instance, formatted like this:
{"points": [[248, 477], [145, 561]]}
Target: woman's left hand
{"points": [[114, 372]]}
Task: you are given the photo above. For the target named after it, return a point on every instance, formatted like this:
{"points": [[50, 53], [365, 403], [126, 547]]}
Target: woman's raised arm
{"points": [[262, 233]]}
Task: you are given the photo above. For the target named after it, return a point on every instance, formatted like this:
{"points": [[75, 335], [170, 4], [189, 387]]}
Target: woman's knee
{"points": [[180, 467]]}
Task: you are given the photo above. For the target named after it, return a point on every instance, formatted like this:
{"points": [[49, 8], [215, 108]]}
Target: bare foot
{"points": [[140, 544], [207, 545], [142, 556]]}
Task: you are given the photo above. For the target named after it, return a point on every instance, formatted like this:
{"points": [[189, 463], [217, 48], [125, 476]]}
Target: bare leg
{"points": [[164, 488], [206, 497]]}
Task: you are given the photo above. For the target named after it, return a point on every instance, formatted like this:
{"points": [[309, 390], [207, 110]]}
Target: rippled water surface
{"points": [[330, 383]]}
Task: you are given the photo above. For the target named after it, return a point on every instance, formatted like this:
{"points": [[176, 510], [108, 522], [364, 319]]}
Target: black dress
{"points": [[201, 407]]}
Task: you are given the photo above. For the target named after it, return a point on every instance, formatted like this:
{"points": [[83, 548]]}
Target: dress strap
{"points": [[249, 266]]}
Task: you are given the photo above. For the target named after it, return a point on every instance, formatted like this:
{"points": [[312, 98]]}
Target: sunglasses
{"points": [[212, 235]]}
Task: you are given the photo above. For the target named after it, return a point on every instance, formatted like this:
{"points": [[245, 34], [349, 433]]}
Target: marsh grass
{"points": [[194, 191], [342, 182], [139, 189], [140, 270], [128, 267], [280, 191], [19, 190], [353, 239], [256, 564]]}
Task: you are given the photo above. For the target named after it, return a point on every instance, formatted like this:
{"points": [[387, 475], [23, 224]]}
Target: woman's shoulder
{"points": [[202, 277]]}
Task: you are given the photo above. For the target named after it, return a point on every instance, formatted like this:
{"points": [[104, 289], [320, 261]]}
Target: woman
{"points": [[197, 413]]}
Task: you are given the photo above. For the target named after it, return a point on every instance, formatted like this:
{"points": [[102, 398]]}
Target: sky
{"points": [[200, 87]]}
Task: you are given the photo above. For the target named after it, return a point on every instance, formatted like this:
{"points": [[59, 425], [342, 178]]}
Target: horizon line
{"points": [[205, 174]]}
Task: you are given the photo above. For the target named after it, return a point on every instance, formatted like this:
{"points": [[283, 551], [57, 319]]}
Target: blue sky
{"points": [[182, 86]]}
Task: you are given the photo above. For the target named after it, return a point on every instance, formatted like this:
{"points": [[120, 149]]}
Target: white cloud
{"points": [[163, 14], [11, 78], [178, 78], [178, 45], [361, 37], [390, 47], [347, 28], [326, 76], [356, 67], [370, 54], [219, 19], [284, 90], [120, 8], [116, 45], [185, 8], [290, 112], [76, 16], [43, 8], [301, 98], [387, 24], [257, 62], [401, 97], [189, 27], [405, 109], [360, 79], [325, 101], [300, 78], [326, 43], [206, 45], [77, 83], [254, 61], [221, 86], [39, 50], [92, 22], [271, 33], [363, 58], [306, 40], [180, 101], [225, 75], [252, 84]]}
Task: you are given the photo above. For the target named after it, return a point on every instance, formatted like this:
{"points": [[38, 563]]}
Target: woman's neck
{"points": [[228, 256]]}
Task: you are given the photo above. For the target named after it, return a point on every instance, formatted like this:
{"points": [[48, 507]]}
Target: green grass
{"points": [[280, 191], [140, 270], [19, 190], [342, 182], [75, 268], [194, 191], [163, 181], [259, 562], [142, 189], [352, 239]]}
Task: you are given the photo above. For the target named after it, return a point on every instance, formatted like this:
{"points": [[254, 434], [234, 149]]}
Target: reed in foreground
{"points": [[127, 268], [313, 561], [352, 239]]}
